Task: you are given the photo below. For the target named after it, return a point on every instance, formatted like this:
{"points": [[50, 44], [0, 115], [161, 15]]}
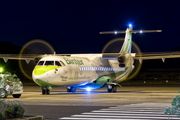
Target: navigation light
{"points": [[130, 25]]}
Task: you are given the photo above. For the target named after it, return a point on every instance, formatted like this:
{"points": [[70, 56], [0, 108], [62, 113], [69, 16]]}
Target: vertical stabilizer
{"points": [[126, 47]]}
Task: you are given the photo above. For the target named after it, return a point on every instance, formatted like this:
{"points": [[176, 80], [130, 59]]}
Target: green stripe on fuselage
{"points": [[43, 83], [38, 70]]}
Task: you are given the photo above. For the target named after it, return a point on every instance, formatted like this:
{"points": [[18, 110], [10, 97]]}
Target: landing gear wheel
{"points": [[16, 95], [3, 93], [114, 88], [71, 89], [45, 90], [111, 88]]}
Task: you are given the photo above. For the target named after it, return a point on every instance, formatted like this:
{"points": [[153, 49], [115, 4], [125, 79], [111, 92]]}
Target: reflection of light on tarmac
{"points": [[26, 46]]}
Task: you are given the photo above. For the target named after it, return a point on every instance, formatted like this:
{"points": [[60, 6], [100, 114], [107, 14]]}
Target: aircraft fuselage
{"points": [[77, 71]]}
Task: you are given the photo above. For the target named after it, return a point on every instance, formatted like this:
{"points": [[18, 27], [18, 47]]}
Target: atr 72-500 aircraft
{"points": [[89, 71]]}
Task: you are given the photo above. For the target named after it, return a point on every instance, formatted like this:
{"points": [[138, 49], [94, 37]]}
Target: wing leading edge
{"points": [[145, 56], [158, 55], [26, 57]]}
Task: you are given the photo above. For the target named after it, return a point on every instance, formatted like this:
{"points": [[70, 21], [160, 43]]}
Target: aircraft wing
{"points": [[145, 56], [158, 55], [139, 56], [26, 57], [17, 56]]}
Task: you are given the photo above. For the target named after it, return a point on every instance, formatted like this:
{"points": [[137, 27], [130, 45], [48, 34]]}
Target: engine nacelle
{"points": [[126, 60]]}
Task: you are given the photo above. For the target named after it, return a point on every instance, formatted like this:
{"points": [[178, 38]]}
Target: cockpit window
{"points": [[62, 63], [49, 63], [57, 63], [40, 63]]}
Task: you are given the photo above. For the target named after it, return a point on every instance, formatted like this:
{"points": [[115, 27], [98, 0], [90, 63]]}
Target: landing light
{"points": [[115, 32], [140, 31]]}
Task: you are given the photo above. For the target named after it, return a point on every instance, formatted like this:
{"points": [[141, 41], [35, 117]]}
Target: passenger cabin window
{"points": [[57, 63], [49, 63], [40, 63]]}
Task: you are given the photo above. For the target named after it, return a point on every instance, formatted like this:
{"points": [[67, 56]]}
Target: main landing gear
{"points": [[111, 88], [71, 89], [45, 90]]}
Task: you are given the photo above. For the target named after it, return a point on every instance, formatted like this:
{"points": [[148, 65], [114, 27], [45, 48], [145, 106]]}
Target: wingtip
{"points": [[159, 30]]}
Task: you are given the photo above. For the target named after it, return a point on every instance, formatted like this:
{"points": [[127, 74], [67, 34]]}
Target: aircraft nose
{"points": [[39, 73], [39, 70], [44, 75], [40, 77]]}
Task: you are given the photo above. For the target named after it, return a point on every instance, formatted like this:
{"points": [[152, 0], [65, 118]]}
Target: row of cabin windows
{"points": [[84, 68], [50, 63]]}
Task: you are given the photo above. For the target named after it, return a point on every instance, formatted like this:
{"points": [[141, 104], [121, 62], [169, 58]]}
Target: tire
{"points": [[16, 95], [3, 93], [47, 91], [69, 89], [114, 88], [109, 88], [43, 91], [73, 89]]}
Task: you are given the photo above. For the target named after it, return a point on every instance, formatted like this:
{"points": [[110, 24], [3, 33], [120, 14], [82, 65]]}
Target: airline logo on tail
{"points": [[126, 48]]}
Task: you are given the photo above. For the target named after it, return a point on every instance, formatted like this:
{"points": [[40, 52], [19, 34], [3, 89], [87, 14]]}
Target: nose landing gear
{"points": [[45, 90]]}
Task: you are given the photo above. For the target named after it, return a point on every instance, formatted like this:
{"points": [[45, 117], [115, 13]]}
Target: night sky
{"points": [[73, 26]]}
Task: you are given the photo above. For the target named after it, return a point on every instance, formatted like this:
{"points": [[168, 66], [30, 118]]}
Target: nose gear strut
{"points": [[45, 90]]}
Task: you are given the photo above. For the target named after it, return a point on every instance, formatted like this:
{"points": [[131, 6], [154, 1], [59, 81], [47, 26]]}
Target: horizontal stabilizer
{"points": [[133, 31], [144, 31], [112, 32]]}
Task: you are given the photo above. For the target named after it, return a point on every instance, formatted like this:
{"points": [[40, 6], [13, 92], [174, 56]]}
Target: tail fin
{"points": [[126, 47]]}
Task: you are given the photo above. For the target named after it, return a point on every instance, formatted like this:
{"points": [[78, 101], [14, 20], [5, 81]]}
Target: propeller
{"points": [[35, 46], [114, 46]]}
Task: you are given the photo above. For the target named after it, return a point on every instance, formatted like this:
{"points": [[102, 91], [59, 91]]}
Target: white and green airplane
{"points": [[88, 71]]}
